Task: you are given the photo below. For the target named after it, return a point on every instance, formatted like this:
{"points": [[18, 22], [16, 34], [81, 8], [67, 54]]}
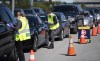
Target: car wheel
{"points": [[68, 33], [13, 56], [35, 47], [46, 43], [62, 35]]}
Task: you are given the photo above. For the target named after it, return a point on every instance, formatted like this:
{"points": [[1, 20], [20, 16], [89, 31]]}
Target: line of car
{"points": [[70, 16], [39, 27]]}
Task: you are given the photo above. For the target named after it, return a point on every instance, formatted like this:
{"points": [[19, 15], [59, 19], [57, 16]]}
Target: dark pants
{"points": [[52, 34], [19, 47]]}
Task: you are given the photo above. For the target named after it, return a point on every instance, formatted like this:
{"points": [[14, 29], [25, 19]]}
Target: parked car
{"points": [[64, 25], [38, 31], [7, 41], [40, 12], [70, 11]]}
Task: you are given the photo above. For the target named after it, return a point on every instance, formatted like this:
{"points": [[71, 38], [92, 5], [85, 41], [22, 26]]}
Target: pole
{"points": [[31, 3], [13, 6]]}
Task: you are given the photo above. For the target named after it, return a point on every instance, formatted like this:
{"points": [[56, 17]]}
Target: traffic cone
{"points": [[94, 33], [31, 55], [98, 31], [71, 51], [82, 39]]}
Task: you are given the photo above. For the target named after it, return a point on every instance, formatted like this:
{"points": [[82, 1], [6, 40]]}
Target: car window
{"points": [[2, 29], [58, 16], [12, 18], [63, 17], [31, 20], [5, 15], [37, 10], [28, 12]]}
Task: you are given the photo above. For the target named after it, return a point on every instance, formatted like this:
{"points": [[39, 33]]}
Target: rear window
{"points": [[65, 9]]}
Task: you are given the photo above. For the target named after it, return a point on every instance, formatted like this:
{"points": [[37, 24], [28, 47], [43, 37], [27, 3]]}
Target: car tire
{"points": [[46, 43], [61, 35], [13, 56], [35, 44], [68, 34]]}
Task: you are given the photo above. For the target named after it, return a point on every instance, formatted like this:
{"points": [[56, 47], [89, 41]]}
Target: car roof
{"points": [[67, 5]]}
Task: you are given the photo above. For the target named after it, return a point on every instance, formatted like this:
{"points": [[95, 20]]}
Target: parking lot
{"points": [[84, 52]]}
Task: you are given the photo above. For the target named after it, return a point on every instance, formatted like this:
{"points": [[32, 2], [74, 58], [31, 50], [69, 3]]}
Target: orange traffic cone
{"points": [[98, 31], [82, 39], [71, 51], [94, 33], [31, 55]]}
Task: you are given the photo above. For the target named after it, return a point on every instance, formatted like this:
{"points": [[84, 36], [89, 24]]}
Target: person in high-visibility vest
{"points": [[53, 24], [22, 35]]}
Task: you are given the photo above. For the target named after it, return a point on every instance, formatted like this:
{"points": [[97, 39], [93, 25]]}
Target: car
{"points": [[64, 25], [70, 11], [88, 19], [95, 13], [7, 41], [39, 34]]}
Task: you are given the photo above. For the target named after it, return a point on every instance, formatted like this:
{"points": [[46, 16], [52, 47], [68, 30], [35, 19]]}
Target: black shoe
{"points": [[51, 46]]}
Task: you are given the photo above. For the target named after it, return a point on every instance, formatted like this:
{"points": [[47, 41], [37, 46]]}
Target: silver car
{"points": [[88, 19]]}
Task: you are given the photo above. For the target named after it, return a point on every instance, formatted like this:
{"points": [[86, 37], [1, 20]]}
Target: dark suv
{"points": [[7, 42], [70, 11]]}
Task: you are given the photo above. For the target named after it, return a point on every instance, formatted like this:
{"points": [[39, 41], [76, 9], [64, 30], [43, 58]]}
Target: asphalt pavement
{"points": [[84, 52]]}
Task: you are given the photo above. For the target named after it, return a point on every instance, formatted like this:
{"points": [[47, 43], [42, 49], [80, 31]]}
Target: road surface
{"points": [[84, 52]]}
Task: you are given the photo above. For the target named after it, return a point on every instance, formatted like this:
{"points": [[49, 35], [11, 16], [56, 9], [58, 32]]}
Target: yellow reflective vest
{"points": [[24, 32], [50, 20]]}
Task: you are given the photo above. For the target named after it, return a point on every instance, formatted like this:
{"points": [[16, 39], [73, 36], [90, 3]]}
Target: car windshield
{"points": [[67, 9], [27, 12], [38, 10]]}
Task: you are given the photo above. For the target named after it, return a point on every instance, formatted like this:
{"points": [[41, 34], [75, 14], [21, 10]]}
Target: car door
{"points": [[5, 36], [65, 24], [41, 30]]}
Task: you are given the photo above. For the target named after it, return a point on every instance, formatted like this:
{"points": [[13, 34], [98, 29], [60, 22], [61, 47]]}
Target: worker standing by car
{"points": [[53, 27], [22, 35]]}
